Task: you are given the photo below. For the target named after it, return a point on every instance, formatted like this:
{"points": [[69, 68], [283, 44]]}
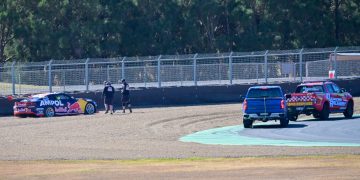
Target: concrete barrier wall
{"points": [[185, 95]]}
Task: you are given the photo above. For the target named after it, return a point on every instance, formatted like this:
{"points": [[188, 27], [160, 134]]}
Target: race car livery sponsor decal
{"points": [[309, 103], [51, 103], [337, 102], [22, 109], [301, 99], [69, 108], [61, 109], [40, 110], [74, 108]]}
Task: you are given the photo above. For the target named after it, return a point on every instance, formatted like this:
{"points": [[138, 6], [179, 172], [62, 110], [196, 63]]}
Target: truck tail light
{"points": [[245, 105], [282, 104]]}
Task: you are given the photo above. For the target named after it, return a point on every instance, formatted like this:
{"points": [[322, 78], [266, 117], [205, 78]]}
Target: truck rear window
{"points": [[309, 89], [264, 93]]}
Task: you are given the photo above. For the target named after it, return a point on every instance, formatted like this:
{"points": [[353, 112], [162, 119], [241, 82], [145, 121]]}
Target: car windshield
{"points": [[264, 93], [309, 89], [39, 96]]}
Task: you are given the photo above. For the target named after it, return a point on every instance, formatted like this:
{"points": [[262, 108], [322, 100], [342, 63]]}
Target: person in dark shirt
{"points": [[125, 93], [108, 95]]}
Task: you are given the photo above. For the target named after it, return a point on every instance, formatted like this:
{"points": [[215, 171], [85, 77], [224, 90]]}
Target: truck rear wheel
{"points": [[324, 114], [284, 122], [248, 123]]}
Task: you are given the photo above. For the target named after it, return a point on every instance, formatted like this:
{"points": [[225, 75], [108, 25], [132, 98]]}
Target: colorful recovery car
{"points": [[52, 104], [319, 99]]}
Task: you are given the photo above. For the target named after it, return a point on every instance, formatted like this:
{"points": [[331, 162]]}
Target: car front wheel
{"points": [[90, 108], [324, 114], [49, 112], [349, 111]]}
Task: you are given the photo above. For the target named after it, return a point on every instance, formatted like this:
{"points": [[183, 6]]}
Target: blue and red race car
{"points": [[52, 104]]}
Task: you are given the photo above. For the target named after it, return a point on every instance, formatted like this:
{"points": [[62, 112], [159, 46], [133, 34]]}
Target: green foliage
{"points": [[68, 29]]}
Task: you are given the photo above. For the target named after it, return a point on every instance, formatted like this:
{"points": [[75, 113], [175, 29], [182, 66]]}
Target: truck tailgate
{"points": [[264, 105]]}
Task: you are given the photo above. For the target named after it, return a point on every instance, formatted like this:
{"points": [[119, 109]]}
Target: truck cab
{"points": [[264, 103]]}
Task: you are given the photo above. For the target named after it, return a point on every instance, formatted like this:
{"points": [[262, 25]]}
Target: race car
{"points": [[52, 104]]}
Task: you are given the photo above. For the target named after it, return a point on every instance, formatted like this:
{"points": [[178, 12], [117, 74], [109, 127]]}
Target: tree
{"points": [[8, 20]]}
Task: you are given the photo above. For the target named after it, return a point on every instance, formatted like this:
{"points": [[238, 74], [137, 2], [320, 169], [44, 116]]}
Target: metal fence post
{"points": [[230, 68], [13, 78], [194, 69], [257, 72], [301, 63], [123, 68], [63, 80], [107, 73], [159, 71], [335, 62], [266, 66], [50, 75], [294, 70], [87, 74], [145, 74]]}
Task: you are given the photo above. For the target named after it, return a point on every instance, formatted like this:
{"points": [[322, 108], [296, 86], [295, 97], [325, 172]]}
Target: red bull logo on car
{"points": [[74, 107], [51, 103]]}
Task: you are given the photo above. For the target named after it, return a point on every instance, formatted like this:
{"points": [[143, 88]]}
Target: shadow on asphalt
{"points": [[277, 126], [333, 119]]}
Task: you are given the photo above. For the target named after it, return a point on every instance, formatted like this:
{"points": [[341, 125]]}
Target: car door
{"points": [[340, 99], [72, 105], [335, 97], [60, 104]]}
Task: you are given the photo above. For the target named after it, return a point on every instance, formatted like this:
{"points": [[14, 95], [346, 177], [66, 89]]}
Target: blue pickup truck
{"points": [[264, 103]]}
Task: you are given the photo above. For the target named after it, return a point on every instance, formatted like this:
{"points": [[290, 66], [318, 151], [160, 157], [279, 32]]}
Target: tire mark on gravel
{"points": [[187, 117], [171, 129], [208, 119]]}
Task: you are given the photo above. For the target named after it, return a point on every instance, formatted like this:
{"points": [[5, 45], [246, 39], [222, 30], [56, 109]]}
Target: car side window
{"points": [[62, 97], [51, 97], [330, 88], [336, 88]]}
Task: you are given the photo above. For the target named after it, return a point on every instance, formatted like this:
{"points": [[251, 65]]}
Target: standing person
{"points": [[125, 99], [108, 94]]}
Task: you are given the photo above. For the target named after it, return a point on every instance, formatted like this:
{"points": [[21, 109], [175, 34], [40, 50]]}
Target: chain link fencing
{"points": [[180, 70]]}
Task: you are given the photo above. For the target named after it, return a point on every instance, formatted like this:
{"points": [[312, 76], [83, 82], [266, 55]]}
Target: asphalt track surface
{"points": [[335, 131], [155, 133]]}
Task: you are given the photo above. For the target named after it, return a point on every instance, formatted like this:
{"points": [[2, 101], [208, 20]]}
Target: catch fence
{"points": [[180, 70]]}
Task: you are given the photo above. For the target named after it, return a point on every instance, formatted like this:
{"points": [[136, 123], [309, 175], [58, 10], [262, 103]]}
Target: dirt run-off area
{"points": [[313, 167], [75, 147]]}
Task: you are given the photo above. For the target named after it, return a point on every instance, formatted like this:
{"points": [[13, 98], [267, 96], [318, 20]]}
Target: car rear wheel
{"points": [[248, 123], [90, 108], [324, 114], [316, 115], [284, 122], [49, 112], [293, 117], [349, 111]]}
